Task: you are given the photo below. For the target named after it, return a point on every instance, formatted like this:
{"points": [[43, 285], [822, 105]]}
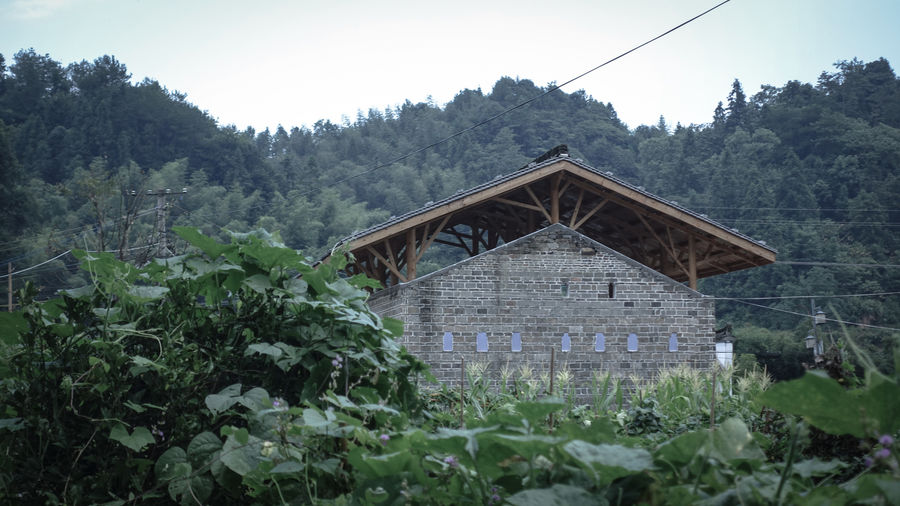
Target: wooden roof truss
{"points": [[650, 230]]}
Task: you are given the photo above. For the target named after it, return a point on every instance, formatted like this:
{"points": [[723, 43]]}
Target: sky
{"points": [[264, 63]]}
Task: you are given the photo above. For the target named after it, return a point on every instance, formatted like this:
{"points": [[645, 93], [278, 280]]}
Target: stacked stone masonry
{"points": [[542, 286]]}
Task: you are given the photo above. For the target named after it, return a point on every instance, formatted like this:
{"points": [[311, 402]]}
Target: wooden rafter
{"points": [[517, 203], [589, 214], [662, 243], [427, 241], [664, 237], [554, 198], [391, 267], [577, 208], [540, 205]]}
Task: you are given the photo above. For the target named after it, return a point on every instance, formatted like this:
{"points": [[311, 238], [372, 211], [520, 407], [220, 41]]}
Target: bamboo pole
{"points": [[462, 385], [552, 373]]}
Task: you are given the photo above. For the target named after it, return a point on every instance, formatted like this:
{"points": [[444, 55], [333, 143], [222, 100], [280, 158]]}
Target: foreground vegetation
{"points": [[223, 377]]}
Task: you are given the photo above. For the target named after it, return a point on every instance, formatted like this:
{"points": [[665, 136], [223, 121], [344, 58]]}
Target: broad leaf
{"points": [[557, 495], [609, 461], [137, 440], [202, 448]]}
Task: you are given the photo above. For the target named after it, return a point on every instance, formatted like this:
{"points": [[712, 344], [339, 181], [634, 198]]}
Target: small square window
{"points": [[632, 342], [516, 344], [599, 342], [566, 343], [481, 344], [448, 341]]}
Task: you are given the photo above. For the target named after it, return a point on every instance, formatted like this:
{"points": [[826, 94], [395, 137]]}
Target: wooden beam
{"points": [[662, 243], [411, 254], [391, 267], [426, 241], [527, 177], [517, 203], [577, 207], [677, 214], [589, 214], [459, 237], [562, 191], [554, 198], [692, 263], [750, 256], [540, 204]]}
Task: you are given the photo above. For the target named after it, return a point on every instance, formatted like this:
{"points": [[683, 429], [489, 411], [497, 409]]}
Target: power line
{"points": [[33, 267], [810, 316], [38, 265], [786, 297], [835, 264], [809, 222], [513, 108], [62, 237], [797, 209]]}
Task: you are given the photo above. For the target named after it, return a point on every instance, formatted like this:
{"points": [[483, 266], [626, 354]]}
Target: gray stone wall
{"points": [[542, 286]]}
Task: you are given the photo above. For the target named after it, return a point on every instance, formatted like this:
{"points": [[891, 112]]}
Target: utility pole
{"points": [[162, 210]]}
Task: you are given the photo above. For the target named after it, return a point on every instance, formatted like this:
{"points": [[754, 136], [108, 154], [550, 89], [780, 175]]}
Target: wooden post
{"points": [[9, 293], [462, 385], [411, 254], [554, 199], [692, 263]]}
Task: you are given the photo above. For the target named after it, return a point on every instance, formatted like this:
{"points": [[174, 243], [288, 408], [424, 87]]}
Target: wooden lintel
{"points": [[589, 214], [540, 205]]}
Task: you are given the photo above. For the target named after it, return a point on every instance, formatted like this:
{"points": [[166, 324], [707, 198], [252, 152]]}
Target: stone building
{"points": [[562, 257]]}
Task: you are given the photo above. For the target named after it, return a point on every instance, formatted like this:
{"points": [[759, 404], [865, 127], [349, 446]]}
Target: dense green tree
{"points": [[812, 169]]}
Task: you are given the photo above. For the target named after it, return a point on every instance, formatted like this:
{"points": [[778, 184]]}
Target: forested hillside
{"points": [[812, 169]]}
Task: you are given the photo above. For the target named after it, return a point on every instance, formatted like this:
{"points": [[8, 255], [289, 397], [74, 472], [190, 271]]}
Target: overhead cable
{"points": [[857, 324], [786, 297], [513, 108]]}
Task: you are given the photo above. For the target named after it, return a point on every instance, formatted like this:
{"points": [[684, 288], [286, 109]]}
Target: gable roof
{"points": [[660, 234]]}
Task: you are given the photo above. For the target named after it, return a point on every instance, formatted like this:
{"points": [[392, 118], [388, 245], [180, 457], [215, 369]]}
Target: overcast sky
{"points": [[262, 63]]}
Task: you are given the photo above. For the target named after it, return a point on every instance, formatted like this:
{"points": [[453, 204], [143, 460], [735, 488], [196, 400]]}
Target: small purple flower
{"points": [[883, 453], [336, 363], [384, 439], [495, 498], [451, 461], [868, 462], [276, 403], [886, 440]]}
